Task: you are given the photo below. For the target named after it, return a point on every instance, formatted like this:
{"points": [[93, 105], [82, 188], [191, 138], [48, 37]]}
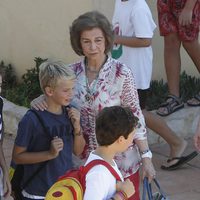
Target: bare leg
{"points": [[177, 145], [193, 50], [172, 62]]}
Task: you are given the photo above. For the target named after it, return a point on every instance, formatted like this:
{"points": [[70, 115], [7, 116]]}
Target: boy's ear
{"points": [[48, 91], [120, 139]]}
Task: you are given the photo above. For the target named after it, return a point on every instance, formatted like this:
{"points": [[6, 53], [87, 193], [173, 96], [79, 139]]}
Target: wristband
{"points": [[145, 151], [146, 154], [122, 194], [79, 133]]}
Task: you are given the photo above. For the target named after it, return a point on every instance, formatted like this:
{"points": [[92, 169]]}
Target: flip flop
{"points": [[181, 161]]}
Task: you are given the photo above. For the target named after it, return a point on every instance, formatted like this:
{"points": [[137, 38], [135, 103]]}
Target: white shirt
{"points": [[100, 183], [133, 18]]}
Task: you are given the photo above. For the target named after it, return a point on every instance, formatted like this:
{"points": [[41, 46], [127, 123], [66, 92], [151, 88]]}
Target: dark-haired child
{"points": [[115, 128]]}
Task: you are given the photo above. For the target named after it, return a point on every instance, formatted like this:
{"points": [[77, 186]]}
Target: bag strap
{"points": [[44, 163], [159, 188], [93, 163], [40, 120], [147, 189]]}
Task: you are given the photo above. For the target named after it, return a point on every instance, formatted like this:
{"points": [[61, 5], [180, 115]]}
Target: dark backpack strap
{"points": [[44, 163], [93, 163], [40, 120]]}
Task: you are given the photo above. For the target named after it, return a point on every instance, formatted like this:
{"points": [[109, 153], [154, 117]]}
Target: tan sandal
{"points": [[171, 105], [195, 101]]}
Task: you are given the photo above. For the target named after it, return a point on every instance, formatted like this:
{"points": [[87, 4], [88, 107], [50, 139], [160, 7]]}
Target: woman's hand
{"points": [[39, 103], [148, 169], [197, 141], [7, 186], [185, 17], [197, 137]]}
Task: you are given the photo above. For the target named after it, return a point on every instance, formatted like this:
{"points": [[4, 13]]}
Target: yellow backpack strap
{"points": [[11, 172]]}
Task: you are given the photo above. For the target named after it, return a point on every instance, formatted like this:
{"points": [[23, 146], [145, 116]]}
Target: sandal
{"points": [[181, 161], [195, 101], [171, 104]]}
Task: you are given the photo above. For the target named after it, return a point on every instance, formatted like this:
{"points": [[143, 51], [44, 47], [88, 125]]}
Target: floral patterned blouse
{"points": [[114, 85]]}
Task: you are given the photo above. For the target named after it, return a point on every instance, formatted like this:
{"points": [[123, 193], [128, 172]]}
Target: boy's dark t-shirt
{"points": [[32, 136]]}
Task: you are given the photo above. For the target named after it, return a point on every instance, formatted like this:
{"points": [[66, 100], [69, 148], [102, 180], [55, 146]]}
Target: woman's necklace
{"points": [[89, 97], [90, 91], [92, 71]]}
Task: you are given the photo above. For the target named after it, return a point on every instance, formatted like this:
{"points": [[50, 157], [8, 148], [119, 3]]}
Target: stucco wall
{"points": [[39, 28]]}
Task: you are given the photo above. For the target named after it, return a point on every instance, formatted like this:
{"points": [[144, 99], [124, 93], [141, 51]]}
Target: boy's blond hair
{"points": [[51, 71]]}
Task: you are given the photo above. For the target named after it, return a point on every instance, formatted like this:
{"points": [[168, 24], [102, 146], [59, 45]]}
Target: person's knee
{"points": [[172, 41], [189, 45]]}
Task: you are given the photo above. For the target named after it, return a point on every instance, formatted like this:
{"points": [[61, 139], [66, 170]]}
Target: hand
{"points": [[7, 186], [185, 17], [126, 186], [116, 39], [148, 169], [197, 141], [56, 147], [74, 115], [39, 103]]}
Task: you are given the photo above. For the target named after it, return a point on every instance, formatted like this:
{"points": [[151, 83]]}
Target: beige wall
{"points": [[39, 28]]}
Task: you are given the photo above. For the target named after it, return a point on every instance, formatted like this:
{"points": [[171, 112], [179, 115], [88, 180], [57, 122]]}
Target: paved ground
{"points": [[181, 184]]}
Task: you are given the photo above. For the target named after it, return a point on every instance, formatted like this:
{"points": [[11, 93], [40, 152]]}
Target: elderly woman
{"points": [[102, 82]]}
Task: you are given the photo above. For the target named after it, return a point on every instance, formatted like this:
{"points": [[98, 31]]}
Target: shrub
{"points": [[9, 80], [189, 86], [22, 93], [157, 94]]}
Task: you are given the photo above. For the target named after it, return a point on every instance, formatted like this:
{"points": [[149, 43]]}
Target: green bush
{"points": [[157, 93], [22, 93], [189, 86], [9, 80]]}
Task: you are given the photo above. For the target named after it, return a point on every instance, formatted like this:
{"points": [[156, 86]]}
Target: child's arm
{"points": [[6, 182], [22, 156], [79, 141], [142, 36], [132, 41], [197, 137], [185, 17]]}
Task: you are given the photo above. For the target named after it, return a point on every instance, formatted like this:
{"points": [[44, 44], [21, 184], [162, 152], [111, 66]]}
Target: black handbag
{"points": [[147, 191]]}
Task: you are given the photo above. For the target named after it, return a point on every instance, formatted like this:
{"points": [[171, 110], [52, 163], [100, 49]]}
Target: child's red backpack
{"points": [[71, 186]]}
